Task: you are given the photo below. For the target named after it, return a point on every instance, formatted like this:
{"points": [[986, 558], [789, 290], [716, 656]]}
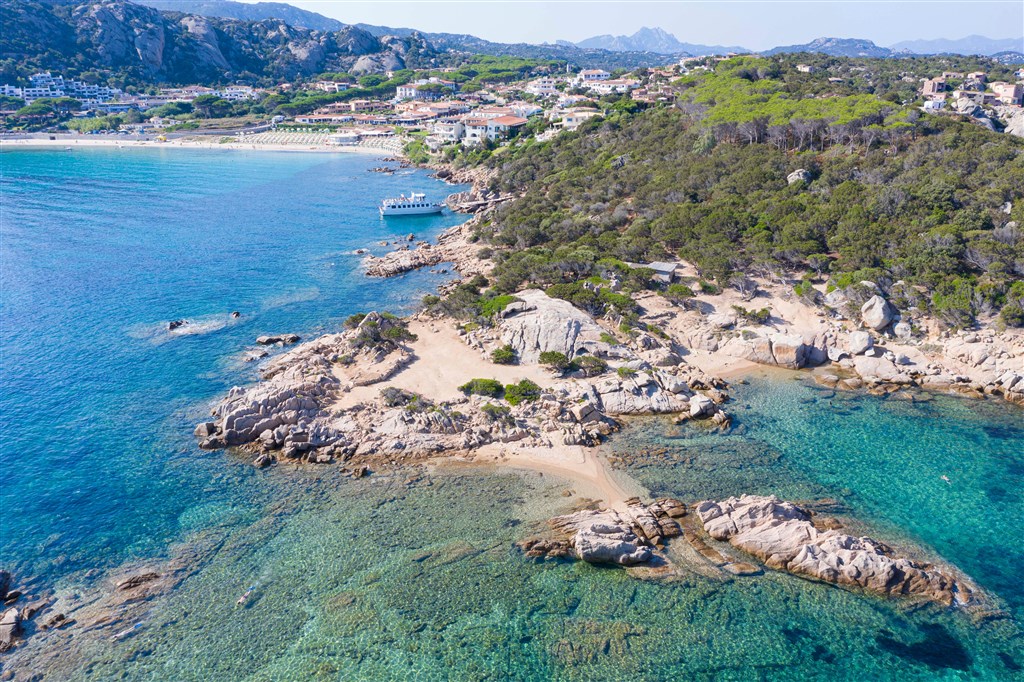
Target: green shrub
{"points": [[524, 392], [487, 387], [554, 360], [506, 355], [754, 316], [626, 372], [952, 302], [589, 365], [609, 339], [398, 333], [496, 412], [1012, 315], [489, 307], [353, 321], [397, 397], [678, 293]]}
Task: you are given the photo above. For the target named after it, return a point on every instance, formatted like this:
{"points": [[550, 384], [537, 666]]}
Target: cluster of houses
{"points": [[46, 85], [973, 87], [107, 100]]}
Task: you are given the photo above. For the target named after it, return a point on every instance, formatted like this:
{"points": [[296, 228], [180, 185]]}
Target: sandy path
{"points": [[585, 468], [441, 364]]}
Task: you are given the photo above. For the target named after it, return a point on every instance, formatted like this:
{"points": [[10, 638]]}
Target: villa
{"points": [[607, 87], [543, 87], [588, 76]]}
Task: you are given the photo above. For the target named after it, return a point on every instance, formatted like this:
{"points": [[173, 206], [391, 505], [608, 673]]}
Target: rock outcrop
{"points": [[784, 536], [799, 175], [781, 350], [607, 536], [544, 324]]}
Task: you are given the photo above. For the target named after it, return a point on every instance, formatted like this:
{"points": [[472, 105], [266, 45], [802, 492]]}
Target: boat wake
{"points": [[162, 332]]}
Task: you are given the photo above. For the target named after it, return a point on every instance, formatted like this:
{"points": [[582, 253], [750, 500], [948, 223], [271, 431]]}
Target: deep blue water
{"points": [[383, 579], [100, 249]]}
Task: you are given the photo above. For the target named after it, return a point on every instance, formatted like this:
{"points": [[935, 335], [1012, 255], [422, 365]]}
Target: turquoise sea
{"points": [[414, 575]]}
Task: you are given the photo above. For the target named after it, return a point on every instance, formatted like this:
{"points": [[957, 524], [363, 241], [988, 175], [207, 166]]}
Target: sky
{"points": [[754, 24]]}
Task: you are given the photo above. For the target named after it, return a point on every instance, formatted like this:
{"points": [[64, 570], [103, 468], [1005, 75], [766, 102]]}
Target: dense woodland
{"points": [[914, 203]]}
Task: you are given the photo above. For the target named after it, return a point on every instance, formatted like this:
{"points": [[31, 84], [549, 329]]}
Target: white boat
{"points": [[415, 204]]}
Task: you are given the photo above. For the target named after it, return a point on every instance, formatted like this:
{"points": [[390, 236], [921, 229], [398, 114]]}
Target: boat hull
{"points": [[389, 211]]}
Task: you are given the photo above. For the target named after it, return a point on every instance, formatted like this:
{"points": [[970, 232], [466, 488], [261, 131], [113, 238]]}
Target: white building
{"points": [[607, 87], [574, 118], [332, 86], [543, 87], [449, 130], [239, 92], [592, 75]]}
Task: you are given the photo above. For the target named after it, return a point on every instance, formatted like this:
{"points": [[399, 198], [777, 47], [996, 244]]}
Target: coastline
{"points": [[87, 141]]}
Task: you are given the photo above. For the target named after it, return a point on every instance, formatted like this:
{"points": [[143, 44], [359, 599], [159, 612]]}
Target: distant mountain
{"points": [[228, 9], [837, 47], [655, 40], [1010, 57], [970, 45]]}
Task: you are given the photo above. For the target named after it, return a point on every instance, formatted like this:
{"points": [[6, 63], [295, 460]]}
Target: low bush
{"points": [[589, 365], [554, 360], [497, 412], [524, 392], [486, 387], [506, 355], [753, 316]]}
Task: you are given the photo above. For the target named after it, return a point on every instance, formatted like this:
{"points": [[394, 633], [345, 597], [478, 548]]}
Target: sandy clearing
{"points": [[443, 362]]}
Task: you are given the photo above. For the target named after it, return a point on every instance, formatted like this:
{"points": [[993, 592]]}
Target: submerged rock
{"points": [[10, 627]]}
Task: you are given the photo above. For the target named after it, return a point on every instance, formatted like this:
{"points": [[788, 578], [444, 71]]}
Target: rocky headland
{"points": [[782, 535]]}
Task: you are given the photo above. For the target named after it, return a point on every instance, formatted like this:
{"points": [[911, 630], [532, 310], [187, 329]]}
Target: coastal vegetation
{"points": [[525, 391], [885, 195], [504, 355]]}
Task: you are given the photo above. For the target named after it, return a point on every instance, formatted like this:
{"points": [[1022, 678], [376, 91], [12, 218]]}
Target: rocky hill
{"points": [[837, 47], [257, 11], [655, 40], [145, 44]]}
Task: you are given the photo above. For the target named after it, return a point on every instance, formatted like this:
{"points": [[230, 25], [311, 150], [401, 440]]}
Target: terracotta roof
{"points": [[509, 120]]}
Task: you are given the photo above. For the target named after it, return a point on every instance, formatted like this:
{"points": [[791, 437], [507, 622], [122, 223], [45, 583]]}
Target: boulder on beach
{"points": [[876, 313], [859, 342]]}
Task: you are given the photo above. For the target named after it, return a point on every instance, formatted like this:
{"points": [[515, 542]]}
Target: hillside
{"points": [[915, 204], [141, 44]]}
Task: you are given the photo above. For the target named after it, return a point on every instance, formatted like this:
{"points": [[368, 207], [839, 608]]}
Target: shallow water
{"points": [[100, 249], [385, 579]]}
